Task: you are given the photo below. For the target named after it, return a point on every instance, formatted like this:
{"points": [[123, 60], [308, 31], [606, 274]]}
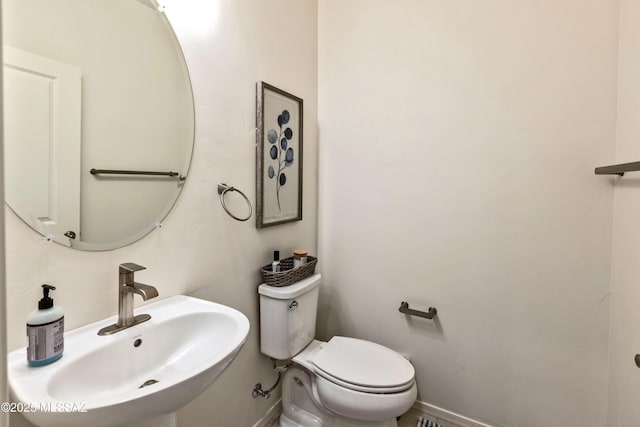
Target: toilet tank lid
{"points": [[292, 291]]}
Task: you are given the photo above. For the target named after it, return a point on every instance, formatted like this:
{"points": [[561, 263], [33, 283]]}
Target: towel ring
{"points": [[222, 190]]}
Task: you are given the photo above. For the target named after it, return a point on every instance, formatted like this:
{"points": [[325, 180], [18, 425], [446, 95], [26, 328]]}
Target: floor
{"points": [[409, 419], [274, 421]]}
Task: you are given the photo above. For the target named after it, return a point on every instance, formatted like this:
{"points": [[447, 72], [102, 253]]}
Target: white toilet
{"points": [[345, 382]]}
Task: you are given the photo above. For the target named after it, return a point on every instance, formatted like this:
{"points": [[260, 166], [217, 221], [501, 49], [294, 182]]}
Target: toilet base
{"points": [[300, 410], [286, 422]]}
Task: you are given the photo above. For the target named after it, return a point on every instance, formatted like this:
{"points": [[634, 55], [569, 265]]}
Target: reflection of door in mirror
{"points": [[42, 133]]}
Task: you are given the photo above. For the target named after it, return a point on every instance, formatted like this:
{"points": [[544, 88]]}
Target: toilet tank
{"points": [[288, 317]]}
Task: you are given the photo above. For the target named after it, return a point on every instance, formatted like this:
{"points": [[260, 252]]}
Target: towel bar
{"points": [[404, 308], [127, 172]]}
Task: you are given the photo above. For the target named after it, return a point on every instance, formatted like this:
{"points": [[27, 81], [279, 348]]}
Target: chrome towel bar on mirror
{"points": [[222, 190], [126, 172], [404, 308]]}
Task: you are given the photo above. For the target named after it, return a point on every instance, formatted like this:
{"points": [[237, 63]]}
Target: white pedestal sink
{"points": [[139, 376]]}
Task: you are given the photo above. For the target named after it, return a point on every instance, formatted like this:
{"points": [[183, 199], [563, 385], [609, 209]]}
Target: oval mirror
{"points": [[98, 117]]}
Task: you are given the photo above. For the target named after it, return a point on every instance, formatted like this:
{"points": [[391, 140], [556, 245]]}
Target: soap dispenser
{"points": [[45, 331]]}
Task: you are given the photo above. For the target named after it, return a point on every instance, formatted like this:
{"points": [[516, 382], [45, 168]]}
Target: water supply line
{"points": [[257, 389]]}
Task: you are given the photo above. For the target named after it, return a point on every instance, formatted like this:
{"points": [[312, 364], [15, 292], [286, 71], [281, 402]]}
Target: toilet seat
{"points": [[355, 387], [363, 366]]}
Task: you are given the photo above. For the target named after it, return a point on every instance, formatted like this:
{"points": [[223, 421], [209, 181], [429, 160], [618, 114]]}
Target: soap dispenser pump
{"points": [[45, 331]]}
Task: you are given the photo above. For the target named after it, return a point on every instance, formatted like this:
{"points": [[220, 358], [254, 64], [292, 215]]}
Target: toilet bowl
{"points": [[357, 379], [344, 382]]}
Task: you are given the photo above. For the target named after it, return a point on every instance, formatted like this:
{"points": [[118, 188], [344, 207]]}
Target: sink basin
{"points": [[135, 376]]}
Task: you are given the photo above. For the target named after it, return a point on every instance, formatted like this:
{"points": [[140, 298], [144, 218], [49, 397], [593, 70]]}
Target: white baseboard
{"points": [[440, 414], [275, 409]]}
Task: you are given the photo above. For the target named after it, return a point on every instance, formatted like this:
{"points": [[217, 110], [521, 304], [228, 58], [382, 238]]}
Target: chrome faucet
{"points": [[127, 286]]}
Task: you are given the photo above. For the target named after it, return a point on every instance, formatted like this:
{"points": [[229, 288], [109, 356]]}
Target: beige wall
{"points": [[458, 141], [229, 46], [625, 298]]}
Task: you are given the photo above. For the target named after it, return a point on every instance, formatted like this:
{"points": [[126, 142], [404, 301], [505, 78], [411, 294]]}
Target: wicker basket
{"points": [[287, 274]]}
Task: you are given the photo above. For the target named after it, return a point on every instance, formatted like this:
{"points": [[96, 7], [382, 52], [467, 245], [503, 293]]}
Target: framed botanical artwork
{"points": [[278, 157]]}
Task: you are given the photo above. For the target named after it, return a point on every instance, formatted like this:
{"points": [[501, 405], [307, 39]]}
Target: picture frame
{"points": [[279, 158]]}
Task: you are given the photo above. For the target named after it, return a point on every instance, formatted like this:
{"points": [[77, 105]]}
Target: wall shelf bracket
{"points": [[618, 169]]}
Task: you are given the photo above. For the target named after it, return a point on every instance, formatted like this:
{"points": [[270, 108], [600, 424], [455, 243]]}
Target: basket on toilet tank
{"points": [[287, 274], [288, 317]]}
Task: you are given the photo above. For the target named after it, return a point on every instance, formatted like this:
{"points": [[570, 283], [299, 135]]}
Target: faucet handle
{"points": [[129, 267]]}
